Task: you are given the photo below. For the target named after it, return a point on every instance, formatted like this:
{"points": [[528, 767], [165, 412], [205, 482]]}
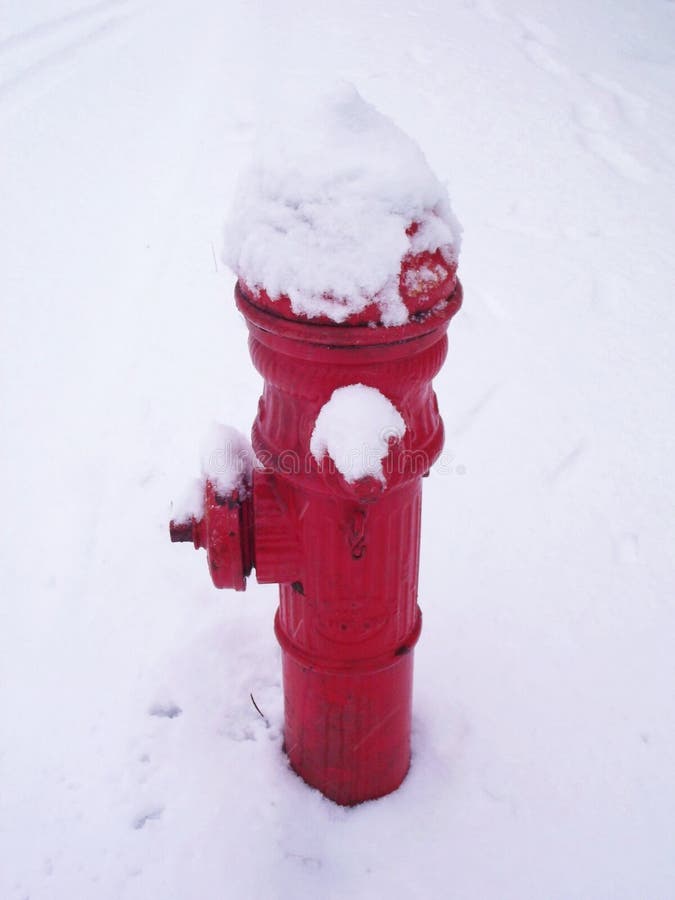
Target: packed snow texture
{"points": [[190, 503], [227, 462], [227, 459], [356, 428], [320, 216]]}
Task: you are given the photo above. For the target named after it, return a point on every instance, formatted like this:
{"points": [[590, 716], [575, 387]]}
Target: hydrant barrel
{"points": [[346, 559]]}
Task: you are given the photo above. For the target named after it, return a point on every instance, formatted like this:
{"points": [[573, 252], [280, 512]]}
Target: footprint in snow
{"points": [[150, 814], [165, 710]]}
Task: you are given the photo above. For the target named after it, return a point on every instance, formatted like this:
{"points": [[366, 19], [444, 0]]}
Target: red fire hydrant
{"points": [[345, 556], [342, 543]]}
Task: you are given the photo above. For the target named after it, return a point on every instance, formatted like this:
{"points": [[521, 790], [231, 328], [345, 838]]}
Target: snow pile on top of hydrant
{"points": [[227, 462], [321, 214], [355, 428]]}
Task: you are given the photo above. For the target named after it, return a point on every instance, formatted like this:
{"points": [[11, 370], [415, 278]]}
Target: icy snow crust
{"points": [[355, 428], [321, 214]]}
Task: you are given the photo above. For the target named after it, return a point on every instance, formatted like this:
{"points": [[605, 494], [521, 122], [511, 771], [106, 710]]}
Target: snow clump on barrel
{"points": [[355, 428]]}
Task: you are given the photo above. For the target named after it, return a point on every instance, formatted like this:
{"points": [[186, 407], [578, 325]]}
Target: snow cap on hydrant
{"points": [[340, 219], [346, 248]]}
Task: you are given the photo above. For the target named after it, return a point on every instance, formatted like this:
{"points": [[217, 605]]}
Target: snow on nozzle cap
{"points": [[339, 219]]}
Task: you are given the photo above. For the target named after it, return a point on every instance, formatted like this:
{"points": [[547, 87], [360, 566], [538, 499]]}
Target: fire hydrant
{"points": [[344, 550]]}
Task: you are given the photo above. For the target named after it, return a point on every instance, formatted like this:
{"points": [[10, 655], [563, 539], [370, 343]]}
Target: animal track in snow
{"points": [[151, 814], [307, 862], [165, 710]]}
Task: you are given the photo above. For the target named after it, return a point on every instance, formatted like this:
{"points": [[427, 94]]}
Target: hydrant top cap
{"points": [[340, 219]]}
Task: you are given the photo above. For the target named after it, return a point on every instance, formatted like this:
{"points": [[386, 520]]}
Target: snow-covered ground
{"points": [[133, 763]]}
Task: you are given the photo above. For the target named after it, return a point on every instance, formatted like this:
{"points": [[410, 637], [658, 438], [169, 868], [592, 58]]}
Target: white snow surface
{"points": [[133, 763], [227, 462], [320, 216], [190, 502], [227, 459], [355, 428]]}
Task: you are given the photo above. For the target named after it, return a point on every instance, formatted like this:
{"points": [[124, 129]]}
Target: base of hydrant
{"points": [[341, 801], [348, 734]]}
